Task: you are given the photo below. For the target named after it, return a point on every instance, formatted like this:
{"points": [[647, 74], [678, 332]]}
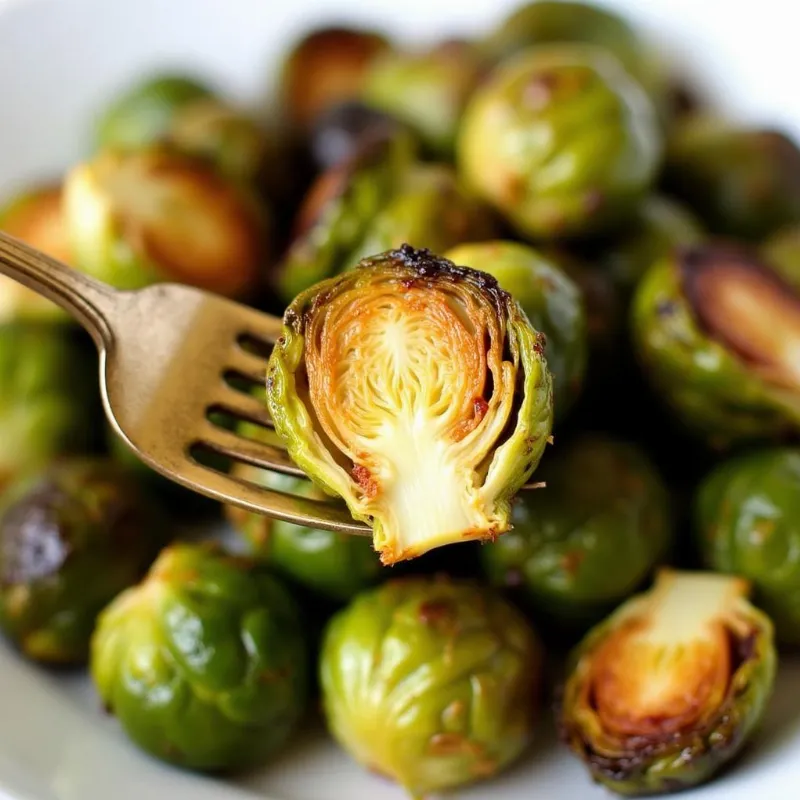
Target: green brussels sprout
{"points": [[718, 334], [426, 89], [378, 200], [551, 300], [747, 517], [561, 140], [432, 682], [327, 67], [335, 565], [416, 390], [35, 217], [136, 218], [49, 399], [589, 538], [72, 537], [670, 688], [204, 663], [742, 182]]}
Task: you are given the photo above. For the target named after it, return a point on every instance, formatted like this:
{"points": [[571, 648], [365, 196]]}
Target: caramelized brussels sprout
{"points": [[149, 215], [325, 68], [589, 538], [747, 516], [71, 538], [742, 182], [561, 140], [718, 334], [204, 663], [418, 391], [434, 683], [670, 688], [552, 302]]}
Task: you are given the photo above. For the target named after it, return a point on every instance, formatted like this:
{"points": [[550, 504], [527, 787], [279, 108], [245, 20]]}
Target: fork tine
{"points": [[259, 326], [245, 406], [248, 451], [248, 364]]}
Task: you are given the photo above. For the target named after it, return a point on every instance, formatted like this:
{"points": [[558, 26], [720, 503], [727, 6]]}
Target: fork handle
{"points": [[91, 302]]}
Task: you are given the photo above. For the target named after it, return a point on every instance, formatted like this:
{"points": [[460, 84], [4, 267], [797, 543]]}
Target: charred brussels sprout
{"points": [[589, 538], [433, 683], [418, 391], [36, 218], [151, 215], [325, 68], [335, 565], [552, 302], [747, 515], [71, 539], [561, 140], [718, 334], [743, 183], [671, 686], [48, 397], [428, 90], [204, 662]]}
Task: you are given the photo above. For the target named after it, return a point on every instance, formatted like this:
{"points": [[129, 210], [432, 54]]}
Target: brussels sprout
{"points": [[417, 391], [150, 215], [589, 538], [743, 183], [747, 516], [561, 140], [426, 89], [48, 402], [552, 302], [71, 538], [335, 565], [432, 682], [325, 68], [204, 663], [671, 686], [718, 334], [36, 218]]}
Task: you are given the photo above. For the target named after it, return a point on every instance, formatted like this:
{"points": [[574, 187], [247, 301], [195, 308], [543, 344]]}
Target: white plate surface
{"points": [[59, 61]]}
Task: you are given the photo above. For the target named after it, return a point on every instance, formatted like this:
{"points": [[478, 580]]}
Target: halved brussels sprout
{"points": [[418, 391], [426, 89], [742, 182], [35, 217], [552, 302], [71, 538], [561, 140], [671, 686], [747, 515], [204, 663], [152, 215], [718, 334], [325, 68], [589, 538], [434, 683]]}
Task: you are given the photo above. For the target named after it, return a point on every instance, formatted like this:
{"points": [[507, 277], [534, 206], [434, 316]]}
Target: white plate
{"points": [[59, 61]]}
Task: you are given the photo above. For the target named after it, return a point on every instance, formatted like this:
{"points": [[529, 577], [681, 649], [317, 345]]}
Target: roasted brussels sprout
{"points": [[325, 68], [426, 89], [48, 397], [552, 302], [743, 183], [334, 565], [671, 686], [747, 516], [433, 683], [589, 538], [149, 215], [204, 663], [718, 334], [418, 391], [71, 538], [35, 217], [561, 140]]}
